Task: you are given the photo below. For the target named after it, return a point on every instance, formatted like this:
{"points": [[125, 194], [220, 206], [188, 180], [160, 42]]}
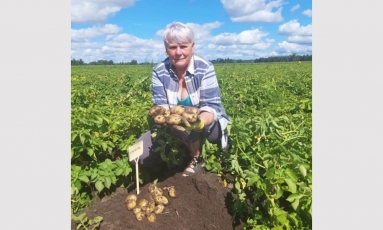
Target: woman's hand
{"points": [[197, 126]]}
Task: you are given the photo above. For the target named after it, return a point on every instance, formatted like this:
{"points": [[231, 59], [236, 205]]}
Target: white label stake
{"points": [[135, 151]]}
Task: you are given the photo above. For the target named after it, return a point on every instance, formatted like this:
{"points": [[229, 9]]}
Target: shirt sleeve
{"points": [[158, 91], [210, 99]]}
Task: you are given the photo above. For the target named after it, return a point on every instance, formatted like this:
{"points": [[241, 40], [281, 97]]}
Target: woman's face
{"points": [[180, 54]]}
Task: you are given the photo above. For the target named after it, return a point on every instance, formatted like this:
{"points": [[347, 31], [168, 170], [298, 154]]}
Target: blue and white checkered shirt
{"points": [[201, 84]]}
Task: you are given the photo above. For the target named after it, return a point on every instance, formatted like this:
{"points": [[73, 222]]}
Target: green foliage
{"points": [[270, 158], [83, 222], [105, 121], [170, 148], [270, 135]]}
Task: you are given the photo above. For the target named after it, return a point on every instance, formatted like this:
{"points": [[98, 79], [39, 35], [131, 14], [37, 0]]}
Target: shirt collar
{"points": [[191, 65]]}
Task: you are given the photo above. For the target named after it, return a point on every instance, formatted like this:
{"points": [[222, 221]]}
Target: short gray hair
{"points": [[179, 33]]}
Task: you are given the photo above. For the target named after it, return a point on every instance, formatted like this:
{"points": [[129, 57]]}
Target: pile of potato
{"points": [[149, 208], [178, 116]]}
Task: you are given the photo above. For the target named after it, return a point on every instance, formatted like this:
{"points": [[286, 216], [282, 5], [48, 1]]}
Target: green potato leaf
{"points": [[291, 185], [290, 173], [99, 186]]}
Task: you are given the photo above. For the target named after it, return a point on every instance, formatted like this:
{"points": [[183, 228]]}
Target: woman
{"points": [[185, 78]]}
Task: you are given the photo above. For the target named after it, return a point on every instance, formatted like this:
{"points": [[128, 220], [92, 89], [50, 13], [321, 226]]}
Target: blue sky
{"points": [[123, 30]]}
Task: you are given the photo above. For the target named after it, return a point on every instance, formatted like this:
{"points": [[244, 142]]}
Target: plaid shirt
{"points": [[201, 84]]}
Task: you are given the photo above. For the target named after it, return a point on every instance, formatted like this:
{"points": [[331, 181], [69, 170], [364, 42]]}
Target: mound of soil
{"points": [[201, 203]]}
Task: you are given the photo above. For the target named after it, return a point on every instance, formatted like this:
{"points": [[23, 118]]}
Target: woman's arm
{"points": [[159, 96], [210, 99], [207, 117]]}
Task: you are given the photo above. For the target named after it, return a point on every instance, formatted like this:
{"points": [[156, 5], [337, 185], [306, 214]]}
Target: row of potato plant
{"points": [[271, 143], [106, 118], [269, 162]]}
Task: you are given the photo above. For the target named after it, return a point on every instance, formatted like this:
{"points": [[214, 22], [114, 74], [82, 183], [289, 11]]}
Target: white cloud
{"points": [[117, 47], [273, 54], [293, 27], [290, 48], [244, 52], [76, 46], [105, 43], [294, 8], [232, 52], [253, 10], [245, 37], [245, 45], [94, 32], [96, 10], [128, 41], [300, 39], [224, 39], [250, 36], [239, 48], [296, 33], [308, 13], [202, 32], [88, 51]]}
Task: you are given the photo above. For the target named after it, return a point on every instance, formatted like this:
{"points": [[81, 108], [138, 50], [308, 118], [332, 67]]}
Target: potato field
{"points": [[268, 164]]}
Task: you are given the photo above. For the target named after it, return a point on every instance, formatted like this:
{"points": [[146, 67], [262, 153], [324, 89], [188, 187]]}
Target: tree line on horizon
{"points": [[289, 58]]}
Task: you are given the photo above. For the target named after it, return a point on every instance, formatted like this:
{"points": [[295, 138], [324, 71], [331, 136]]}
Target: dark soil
{"points": [[201, 203]]}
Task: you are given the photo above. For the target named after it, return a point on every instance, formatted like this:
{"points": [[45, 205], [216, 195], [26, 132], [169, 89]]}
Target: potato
{"points": [[156, 110], [147, 210], [151, 218], [164, 200], [192, 110], [161, 200], [152, 205], [174, 119], [154, 190], [190, 117], [159, 119], [131, 197], [172, 192], [157, 192], [143, 202], [178, 109], [167, 112], [151, 188], [136, 210], [140, 216], [159, 209], [131, 204], [143, 208]]}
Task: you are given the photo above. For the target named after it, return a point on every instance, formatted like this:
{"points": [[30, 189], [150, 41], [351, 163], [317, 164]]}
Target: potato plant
{"points": [[270, 156], [105, 121], [270, 137]]}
